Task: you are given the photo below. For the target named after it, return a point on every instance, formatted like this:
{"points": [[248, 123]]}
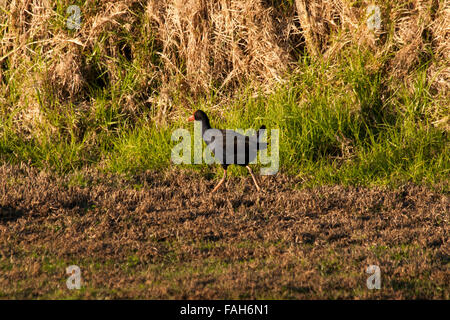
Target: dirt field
{"points": [[162, 235]]}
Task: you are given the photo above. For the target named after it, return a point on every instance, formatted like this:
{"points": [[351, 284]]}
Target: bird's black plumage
{"points": [[235, 148], [230, 147]]}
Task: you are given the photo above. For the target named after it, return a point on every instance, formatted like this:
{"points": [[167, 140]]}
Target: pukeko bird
{"points": [[236, 148]]}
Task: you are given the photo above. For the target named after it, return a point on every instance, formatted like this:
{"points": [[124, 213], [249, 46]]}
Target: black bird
{"points": [[236, 148]]}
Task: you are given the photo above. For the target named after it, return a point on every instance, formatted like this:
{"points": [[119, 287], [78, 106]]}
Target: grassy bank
{"points": [[110, 94], [340, 132]]}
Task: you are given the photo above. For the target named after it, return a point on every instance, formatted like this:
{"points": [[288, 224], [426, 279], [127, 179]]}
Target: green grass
{"points": [[339, 124]]}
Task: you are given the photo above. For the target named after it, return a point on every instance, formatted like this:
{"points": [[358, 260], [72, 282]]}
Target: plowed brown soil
{"points": [[162, 235]]}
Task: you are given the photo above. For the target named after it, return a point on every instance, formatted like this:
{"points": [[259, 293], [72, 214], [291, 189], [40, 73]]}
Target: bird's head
{"points": [[198, 115]]}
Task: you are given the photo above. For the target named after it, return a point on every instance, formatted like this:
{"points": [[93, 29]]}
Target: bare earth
{"points": [[162, 235]]}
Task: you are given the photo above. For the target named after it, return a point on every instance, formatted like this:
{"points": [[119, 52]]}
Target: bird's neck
{"points": [[205, 126]]}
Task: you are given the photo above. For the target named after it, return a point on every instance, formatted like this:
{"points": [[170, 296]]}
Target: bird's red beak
{"points": [[191, 118]]}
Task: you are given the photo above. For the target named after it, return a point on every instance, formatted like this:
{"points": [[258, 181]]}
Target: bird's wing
{"points": [[225, 143], [246, 147]]}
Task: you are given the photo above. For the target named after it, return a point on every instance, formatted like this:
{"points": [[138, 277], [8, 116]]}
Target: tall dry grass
{"points": [[221, 43], [198, 46]]}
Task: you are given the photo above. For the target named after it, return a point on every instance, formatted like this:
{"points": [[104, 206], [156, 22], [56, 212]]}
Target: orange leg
{"points": [[253, 177], [221, 181]]}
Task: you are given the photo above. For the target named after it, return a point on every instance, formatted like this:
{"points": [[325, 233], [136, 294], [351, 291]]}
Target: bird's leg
{"points": [[221, 181], [253, 177]]}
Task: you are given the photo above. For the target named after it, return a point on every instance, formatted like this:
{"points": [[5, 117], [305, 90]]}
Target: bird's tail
{"points": [[261, 145]]}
